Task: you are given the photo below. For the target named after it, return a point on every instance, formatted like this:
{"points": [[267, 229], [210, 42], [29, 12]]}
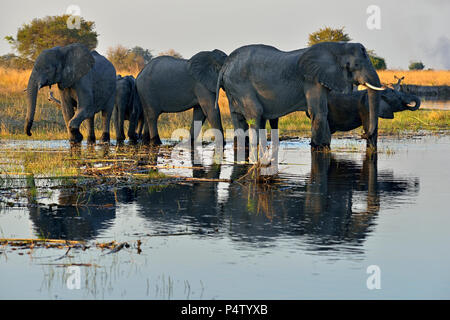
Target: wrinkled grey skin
{"points": [[86, 83], [262, 82], [168, 84], [124, 109], [348, 111]]}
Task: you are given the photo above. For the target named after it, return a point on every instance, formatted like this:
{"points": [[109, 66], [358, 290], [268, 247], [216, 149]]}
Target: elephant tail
{"points": [[219, 85]]}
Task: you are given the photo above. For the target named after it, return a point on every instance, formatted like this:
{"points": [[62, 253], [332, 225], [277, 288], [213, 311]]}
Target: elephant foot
{"points": [[133, 138], [155, 141], [145, 139], [75, 135], [105, 137], [320, 148], [91, 140]]}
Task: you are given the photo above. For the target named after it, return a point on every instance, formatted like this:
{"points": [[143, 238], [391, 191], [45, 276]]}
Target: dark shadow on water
{"points": [[336, 204]]}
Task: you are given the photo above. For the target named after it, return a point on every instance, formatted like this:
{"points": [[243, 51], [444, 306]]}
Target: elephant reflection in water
{"points": [[330, 194], [78, 215], [323, 207]]}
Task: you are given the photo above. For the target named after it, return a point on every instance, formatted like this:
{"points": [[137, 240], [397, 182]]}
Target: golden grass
{"points": [[419, 77], [49, 123], [12, 80]]}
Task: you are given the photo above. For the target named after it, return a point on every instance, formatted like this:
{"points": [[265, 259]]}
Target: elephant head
{"points": [[337, 66], [205, 67], [396, 101], [59, 65]]}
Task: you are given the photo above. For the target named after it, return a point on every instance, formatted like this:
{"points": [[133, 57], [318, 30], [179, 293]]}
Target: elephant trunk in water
{"points": [[32, 90]]}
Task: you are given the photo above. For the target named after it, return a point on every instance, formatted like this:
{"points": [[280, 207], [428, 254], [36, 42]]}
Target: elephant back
{"points": [[205, 67]]}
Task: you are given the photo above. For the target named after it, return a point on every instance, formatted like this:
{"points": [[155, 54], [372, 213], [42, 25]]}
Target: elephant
{"points": [[86, 81], [262, 82], [168, 84], [127, 107], [349, 111]]}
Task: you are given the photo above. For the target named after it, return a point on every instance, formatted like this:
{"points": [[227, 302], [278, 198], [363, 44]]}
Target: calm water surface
{"points": [[312, 235]]}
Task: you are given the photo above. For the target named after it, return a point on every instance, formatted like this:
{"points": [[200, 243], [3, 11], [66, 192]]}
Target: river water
{"points": [[317, 233]]}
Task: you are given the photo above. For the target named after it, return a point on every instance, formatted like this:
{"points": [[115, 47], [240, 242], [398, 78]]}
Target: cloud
{"points": [[439, 53]]}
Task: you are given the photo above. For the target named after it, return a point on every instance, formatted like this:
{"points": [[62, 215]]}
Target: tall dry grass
{"points": [[12, 80], [418, 77]]}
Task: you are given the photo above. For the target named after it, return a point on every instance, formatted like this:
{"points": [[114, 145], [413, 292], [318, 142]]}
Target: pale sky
{"points": [[410, 30]]}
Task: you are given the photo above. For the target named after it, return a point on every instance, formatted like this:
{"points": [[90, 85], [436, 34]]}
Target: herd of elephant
{"points": [[261, 83]]}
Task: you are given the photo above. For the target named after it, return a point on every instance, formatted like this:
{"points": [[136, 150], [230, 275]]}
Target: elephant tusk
{"points": [[373, 87]]}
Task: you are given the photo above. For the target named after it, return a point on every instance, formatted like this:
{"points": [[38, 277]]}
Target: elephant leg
{"points": [[106, 119], [68, 110], [91, 129], [241, 139], [273, 123], [133, 123], [371, 142], [198, 116], [145, 134], [119, 120], [151, 118], [207, 103], [74, 125], [316, 98], [254, 117]]}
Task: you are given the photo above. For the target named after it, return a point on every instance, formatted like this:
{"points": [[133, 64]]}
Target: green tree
{"points": [[416, 65], [378, 62], [328, 34], [51, 31]]}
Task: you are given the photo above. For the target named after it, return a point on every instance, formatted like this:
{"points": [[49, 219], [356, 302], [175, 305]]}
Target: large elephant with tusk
{"points": [[262, 82]]}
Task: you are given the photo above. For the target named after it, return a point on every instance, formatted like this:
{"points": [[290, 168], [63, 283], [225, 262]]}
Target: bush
{"points": [[171, 52], [130, 60], [377, 62], [328, 34], [416, 65]]}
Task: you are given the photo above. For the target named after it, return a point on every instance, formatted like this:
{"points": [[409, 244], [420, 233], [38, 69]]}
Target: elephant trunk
{"points": [[416, 100], [374, 102], [372, 81], [32, 90]]}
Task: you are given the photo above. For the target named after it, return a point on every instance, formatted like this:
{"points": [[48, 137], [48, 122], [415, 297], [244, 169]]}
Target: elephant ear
{"points": [[320, 64], [205, 67], [78, 61]]}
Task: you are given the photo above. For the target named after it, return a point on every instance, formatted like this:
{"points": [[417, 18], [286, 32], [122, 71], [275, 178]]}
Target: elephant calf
{"points": [[127, 107], [349, 111], [169, 84]]}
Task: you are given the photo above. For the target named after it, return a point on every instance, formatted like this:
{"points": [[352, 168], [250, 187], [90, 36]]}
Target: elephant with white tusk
{"points": [[262, 82]]}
